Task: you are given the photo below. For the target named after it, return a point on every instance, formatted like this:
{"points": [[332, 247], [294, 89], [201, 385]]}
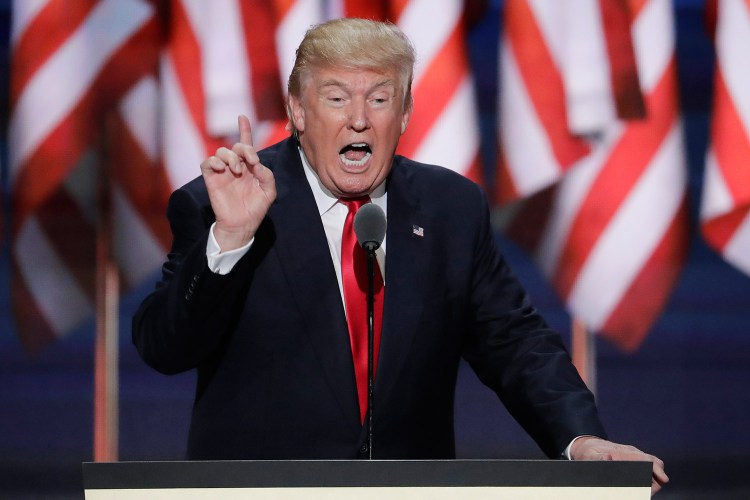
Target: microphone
{"points": [[369, 227]]}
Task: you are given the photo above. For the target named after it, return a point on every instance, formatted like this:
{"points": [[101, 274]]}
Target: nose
{"points": [[358, 120]]}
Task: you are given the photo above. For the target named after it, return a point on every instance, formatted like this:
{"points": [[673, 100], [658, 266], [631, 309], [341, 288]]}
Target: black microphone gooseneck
{"points": [[369, 226]]}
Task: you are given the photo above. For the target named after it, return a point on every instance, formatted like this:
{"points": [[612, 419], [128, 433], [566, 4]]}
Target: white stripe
{"points": [[301, 16], [24, 11], [653, 42], [549, 16], [453, 140], [140, 111], [55, 291], [716, 198], [139, 261], [586, 69], [571, 193], [736, 250], [428, 24], [733, 42], [183, 143], [60, 84], [226, 67], [334, 9], [525, 144], [632, 235]]}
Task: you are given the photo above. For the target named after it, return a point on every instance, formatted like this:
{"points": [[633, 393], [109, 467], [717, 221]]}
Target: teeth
{"points": [[355, 163], [359, 145]]}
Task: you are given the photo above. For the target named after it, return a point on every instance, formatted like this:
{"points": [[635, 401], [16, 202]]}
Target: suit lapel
{"points": [[304, 256], [407, 262]]}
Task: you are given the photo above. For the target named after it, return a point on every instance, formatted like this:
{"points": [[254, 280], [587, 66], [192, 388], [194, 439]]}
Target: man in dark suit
{"points": [[254, 294]]}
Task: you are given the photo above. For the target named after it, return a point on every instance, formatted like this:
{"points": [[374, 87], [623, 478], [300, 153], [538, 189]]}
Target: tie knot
{"points": [[354, 204]]}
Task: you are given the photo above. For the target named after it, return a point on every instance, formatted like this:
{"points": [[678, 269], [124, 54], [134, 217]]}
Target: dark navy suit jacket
{"points": [[269, 340]]}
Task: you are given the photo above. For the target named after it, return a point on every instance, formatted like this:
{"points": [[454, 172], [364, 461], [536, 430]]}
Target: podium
{"points": [[368, 480]]}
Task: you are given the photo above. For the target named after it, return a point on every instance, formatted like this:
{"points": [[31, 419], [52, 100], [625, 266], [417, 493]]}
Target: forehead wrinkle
{"points": [[334, 82]]}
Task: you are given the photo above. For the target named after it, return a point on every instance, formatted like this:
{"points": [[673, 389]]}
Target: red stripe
{"points": [[711, 17], [627, 162], [505, 187], [277, 134], [51, 27], [53, 159], [647, 295], [636, 6], [259, 27], [542, 81], [72, 237], [528, 224], [33, 330], [435, 90], [396, 8], [475, 172], [372, 9], [283, 7], [730, 143], [718, 231], [130, 167], [185, 52], [616, 21]]}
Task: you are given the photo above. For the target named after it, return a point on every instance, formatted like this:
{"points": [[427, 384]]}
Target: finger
{"points": [[660, 476], [246, 152], [265, 179], [231, 159], [213, 164], [246, 131], [655, 487]]}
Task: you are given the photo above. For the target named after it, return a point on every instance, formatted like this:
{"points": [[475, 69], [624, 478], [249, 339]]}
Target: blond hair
{"points": [[357, 44]]}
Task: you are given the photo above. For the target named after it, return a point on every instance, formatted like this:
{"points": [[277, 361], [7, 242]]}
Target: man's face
{"points": [[349, 123]]}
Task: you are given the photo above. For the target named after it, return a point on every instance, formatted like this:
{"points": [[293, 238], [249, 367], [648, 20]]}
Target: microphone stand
{"points": [[370, 247]]}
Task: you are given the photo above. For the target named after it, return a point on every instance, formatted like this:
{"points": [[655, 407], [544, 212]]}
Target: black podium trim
{"points": [[365, 473]]}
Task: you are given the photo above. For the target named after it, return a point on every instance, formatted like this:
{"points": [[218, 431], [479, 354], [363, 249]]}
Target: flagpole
{"points": [[106, 352], [584, 352]]}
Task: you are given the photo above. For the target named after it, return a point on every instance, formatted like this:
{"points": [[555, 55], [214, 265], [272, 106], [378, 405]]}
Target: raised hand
{"points": [[241, 190], [593, 448]]}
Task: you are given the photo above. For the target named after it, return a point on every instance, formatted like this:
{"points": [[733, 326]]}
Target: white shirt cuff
{"points": [[223, 262]]}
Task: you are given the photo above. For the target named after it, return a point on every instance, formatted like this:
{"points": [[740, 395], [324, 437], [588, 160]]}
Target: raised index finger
{"points": [[246, 132]]}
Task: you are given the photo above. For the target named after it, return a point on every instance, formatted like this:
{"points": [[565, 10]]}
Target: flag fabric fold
{"points": [[604, 212], [725, 202]]}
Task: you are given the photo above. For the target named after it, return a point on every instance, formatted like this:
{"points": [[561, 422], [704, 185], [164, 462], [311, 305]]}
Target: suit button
{"points": [[363, 449]]}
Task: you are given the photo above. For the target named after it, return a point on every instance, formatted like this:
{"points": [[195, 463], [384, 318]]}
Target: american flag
{"points": [[725, 204], [66, 81], [132, 93], [602, 199]]}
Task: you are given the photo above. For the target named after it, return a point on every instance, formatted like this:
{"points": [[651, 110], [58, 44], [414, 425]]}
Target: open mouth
{"points": [[355, 155]]}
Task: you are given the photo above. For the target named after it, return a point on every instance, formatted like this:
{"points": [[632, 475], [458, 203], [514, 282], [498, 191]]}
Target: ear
{"points": [[405, 117], [296, 113]]}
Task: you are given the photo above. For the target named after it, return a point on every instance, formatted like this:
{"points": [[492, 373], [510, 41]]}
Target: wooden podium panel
{"points": [[368, 480]]}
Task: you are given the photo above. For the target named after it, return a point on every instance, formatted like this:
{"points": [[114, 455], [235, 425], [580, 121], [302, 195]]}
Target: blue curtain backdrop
{"points": [[682, 396]]}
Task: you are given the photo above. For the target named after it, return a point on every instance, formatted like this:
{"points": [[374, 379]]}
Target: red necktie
{"points": [[354, 279]]}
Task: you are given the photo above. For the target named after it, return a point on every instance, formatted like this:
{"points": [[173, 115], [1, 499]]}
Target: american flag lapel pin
{"points": [[417, 231]]}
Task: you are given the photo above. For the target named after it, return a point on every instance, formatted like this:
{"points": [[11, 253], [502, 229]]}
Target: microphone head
{"points": [[369, 226]]}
